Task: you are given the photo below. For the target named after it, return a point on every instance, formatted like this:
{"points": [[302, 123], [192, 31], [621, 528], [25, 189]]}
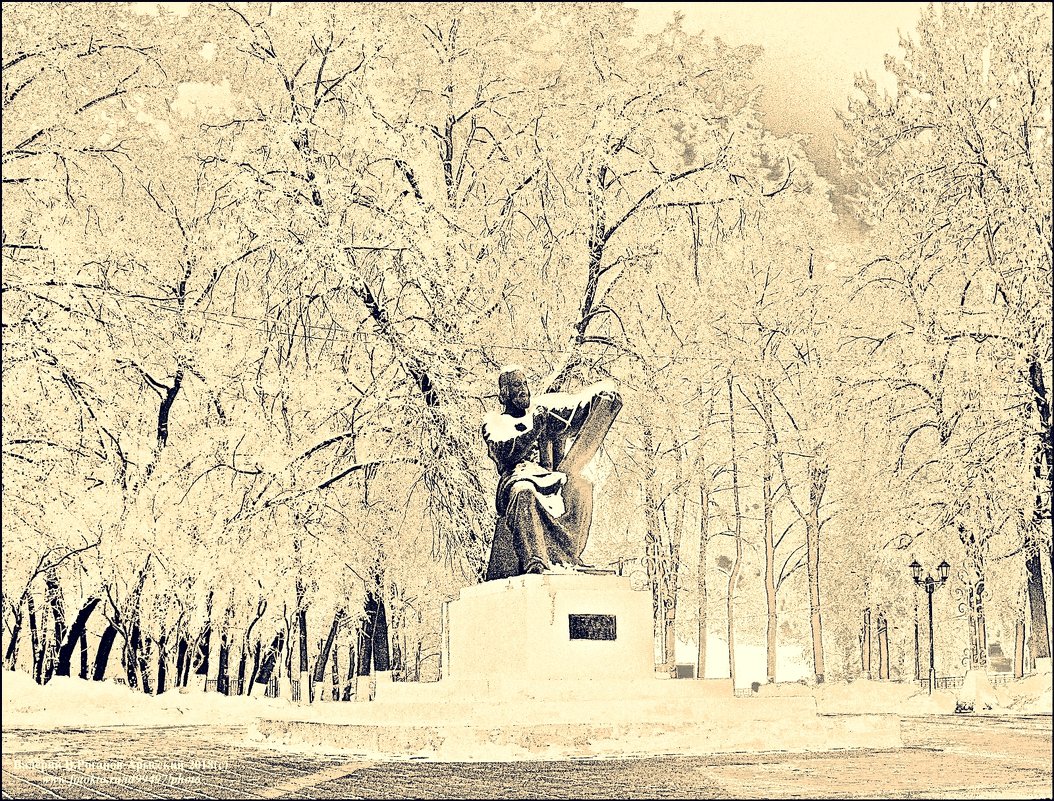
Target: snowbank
{"points": [[76, 702], [67, 702], [1028, 696]]}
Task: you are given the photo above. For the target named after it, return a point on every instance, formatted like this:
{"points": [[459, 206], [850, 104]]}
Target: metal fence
{"points": [[1002, 678], [942, 682], [952, 682]]}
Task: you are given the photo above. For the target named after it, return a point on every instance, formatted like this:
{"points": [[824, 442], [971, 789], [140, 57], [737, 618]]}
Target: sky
{"points": [[812, 52]]}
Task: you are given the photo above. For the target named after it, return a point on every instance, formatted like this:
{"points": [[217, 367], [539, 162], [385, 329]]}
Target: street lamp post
{"points": [[930, 584]]}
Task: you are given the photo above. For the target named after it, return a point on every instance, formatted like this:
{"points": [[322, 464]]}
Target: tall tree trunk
{"points": [[349, 684], [222, 676], [271, 659], [381, 653], [11, 656], [37, 642], [373, 637], [203, 644], [301, 616], [84, 655], [768, 524], [335, 675], [1043, 468], [676, 531], [817, 489], [700, 582], [1037, 604], [733, 575], [181, 661], [162, 666], [74, 636], [132, 647], [261, 608], [1019, 649], [255, 669], [883, 647], [865, 644], [102, 655], [327, 646], [57, 608], [654, 555]]}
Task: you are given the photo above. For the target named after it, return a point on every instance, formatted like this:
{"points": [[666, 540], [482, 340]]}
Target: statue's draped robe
{"points": [[544, 504]]}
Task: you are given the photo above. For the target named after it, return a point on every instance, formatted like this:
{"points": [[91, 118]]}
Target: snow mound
{"points": [[77, 702]]}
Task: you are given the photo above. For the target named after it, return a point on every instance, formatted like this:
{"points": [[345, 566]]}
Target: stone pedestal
{"points": [[549, 627]]}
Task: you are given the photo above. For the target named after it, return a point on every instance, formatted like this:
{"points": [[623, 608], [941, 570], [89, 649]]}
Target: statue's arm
{"points": [[602, 391]]}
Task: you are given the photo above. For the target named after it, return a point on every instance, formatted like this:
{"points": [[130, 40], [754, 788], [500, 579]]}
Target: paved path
{"points": [[944, 757]]}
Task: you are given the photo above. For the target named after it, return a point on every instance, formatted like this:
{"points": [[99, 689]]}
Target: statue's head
{"points": [[513, 391]]}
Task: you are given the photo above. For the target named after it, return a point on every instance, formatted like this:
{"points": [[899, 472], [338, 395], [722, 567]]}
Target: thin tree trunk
{"points": [[255, 668], [1019, 649], [767, 514], [865, 644], [11, 657], [655, 561], [349, 686], [131, 650], [676, 530], [203, 644], [817, 489], [84, 655], [162, 667], [222, 677], [335, 675], [181, 661], [35, 640], [883, 647], [304, 675], [381, 654], [700, 584], [733, 575], [261, 609], [57, 607]]}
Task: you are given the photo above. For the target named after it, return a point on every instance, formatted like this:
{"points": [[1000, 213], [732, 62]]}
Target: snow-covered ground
{"points": [[76, 702], [1027, 696]]}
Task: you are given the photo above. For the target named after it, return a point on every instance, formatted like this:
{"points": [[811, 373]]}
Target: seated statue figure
{"points": [[544, 503]]}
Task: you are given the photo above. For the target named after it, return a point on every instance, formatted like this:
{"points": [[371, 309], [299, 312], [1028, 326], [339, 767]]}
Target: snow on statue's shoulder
{"points": [[501, 427]]}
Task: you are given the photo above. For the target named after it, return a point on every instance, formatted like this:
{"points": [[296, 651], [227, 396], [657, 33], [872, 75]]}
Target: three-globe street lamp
{"points": [[930, 584]]}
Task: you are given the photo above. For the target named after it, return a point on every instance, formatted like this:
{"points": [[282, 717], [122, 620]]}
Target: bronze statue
{"points": [[544, 503]]}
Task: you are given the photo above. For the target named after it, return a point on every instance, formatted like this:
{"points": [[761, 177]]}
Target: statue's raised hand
{"points": [[612, 397]]}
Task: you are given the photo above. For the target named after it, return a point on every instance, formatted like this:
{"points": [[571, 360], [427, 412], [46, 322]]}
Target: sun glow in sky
{"points": [[812, 52]]}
